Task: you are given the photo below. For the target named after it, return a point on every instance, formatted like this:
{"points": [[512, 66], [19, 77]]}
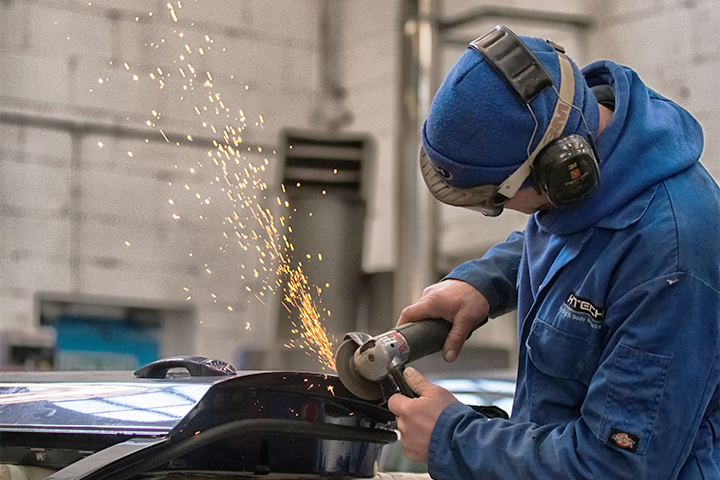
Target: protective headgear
{"points": [[502, 91]]}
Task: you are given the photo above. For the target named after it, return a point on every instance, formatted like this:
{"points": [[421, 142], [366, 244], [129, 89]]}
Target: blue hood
{"points": [[648, 139]]}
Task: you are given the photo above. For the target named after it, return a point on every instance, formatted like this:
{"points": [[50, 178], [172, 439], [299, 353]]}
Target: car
{"points": [[189, 416]]}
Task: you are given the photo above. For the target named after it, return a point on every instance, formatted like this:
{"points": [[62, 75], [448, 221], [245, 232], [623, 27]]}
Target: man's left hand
{"points": [[416, 417]]}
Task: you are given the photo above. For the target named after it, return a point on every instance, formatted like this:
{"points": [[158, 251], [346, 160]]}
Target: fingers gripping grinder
{"points": [[372, 367]]}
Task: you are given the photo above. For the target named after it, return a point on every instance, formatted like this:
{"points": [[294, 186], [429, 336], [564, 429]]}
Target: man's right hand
{"points": [[457, 302]]}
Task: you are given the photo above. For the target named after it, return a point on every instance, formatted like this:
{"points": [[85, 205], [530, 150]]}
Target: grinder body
{"points": [[372, 367]]}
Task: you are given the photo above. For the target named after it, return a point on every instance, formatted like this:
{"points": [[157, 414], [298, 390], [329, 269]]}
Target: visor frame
{"points": [[482, 198]]}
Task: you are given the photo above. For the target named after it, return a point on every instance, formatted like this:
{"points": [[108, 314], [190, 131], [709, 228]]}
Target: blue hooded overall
{"points": [[618, 303]]}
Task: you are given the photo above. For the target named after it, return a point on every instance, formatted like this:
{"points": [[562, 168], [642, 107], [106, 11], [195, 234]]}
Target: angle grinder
{"points": [[372, 367]]}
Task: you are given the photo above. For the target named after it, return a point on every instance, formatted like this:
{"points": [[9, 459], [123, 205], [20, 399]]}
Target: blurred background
{"points": [[237, 178]]}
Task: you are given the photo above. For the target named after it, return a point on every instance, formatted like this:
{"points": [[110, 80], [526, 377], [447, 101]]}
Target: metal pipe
{"points": [[330, 111], [75, 210], [417, 212], [115, 131]]}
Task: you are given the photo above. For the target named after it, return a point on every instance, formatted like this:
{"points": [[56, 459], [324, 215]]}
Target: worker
{"points": [[615, 277]]}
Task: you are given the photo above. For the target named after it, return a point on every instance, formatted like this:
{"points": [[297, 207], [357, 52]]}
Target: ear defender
{"points": [[566, 170]]}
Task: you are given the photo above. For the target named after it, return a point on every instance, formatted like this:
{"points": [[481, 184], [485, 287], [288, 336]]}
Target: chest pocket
{"points": [[561, 354]]}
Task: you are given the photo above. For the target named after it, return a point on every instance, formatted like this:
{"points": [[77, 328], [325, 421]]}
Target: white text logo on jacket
{"points": [[582, 305]]}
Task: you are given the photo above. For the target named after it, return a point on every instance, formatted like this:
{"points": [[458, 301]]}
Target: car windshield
{"points": [[481, 391]]}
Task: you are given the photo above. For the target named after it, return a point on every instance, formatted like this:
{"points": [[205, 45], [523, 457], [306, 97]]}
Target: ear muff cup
{"points": [[566, 170]]}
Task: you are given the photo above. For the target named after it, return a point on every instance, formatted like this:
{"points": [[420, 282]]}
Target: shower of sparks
{"points": [[311, 331], [251, 226]]}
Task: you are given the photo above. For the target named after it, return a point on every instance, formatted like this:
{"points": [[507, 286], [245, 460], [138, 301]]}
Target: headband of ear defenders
{"points": [[514, 62], [509, 187]]}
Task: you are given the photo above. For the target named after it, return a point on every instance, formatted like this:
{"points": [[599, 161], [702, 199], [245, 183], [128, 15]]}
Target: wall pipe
{"points": [[83, 127], [417, 237]]}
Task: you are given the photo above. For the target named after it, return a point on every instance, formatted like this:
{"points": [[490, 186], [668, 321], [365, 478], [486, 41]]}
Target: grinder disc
{"points": [[350, 377]]}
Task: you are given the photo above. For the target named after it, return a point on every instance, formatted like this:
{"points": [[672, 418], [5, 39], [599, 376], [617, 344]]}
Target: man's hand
{"points": [[457, 302], [416, 417]]}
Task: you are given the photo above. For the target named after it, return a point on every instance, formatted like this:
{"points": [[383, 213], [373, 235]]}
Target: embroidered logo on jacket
{"points": [[624, 440], [581, 305]]}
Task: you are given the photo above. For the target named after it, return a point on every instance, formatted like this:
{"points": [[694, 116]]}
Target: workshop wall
{"points": [[112, 187], [674, 47]]}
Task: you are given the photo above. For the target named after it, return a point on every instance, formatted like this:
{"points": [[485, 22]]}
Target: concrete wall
{"points": [[110, 184], [674, 47], [95, 200]]}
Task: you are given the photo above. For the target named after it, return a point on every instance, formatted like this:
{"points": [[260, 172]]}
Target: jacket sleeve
{"points": [[495, 274], [651, 403]]}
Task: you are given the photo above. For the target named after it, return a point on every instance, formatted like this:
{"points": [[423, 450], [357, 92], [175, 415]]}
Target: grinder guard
{"points": [[372, 367], [348, 374]]}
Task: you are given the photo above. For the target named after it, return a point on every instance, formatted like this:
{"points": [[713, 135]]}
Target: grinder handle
{"points": [[425, 336], [397, 374]]}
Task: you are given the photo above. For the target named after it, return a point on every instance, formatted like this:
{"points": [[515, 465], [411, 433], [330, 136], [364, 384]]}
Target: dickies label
{"points": [[626, 441]]}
